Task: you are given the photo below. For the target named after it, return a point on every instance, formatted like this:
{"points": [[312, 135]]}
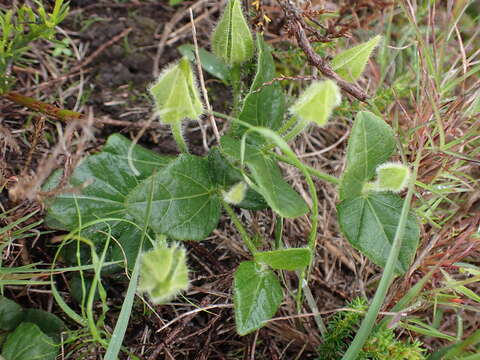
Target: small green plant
{"points": [[19, 27], [380, 345], [133, 195]]}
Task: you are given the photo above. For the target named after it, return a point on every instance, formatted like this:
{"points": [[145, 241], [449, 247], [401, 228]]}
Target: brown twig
{"points": [[297, 26], [68, 115]]}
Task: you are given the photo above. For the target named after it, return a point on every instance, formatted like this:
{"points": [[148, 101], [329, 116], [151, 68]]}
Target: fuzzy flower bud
{"points": [[317, 102], [164, 272], [232, 40], [392, 177], [236, 193], [176, 95]]}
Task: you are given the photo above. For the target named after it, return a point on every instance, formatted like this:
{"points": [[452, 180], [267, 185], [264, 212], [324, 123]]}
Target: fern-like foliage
{"points": [[381, 345]]}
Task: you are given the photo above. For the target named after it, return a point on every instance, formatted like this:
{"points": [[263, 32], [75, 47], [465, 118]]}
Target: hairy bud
{"points": [[232, 39], [164, 272]]}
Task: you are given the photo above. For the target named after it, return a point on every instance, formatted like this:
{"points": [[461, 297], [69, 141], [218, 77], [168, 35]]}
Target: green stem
{"points": [[178, 136], [42, 107], [243, 233], [318, 174], [287, 125], [387, 277], [236, 81], [300, 126]]}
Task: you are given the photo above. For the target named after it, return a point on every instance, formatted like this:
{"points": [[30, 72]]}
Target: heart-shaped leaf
{"points": [[371, 143], [257, 296], [29, 342], [369, 223], [107, 178], [351, 63], [285, 259], [184, 204]]}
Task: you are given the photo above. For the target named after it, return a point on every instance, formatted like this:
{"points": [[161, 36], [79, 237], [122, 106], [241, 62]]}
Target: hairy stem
{"points": [[178, 136], [243, 233]]}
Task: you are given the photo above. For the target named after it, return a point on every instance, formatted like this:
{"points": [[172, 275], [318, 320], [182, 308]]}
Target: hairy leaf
{"points": [[257, 296]]}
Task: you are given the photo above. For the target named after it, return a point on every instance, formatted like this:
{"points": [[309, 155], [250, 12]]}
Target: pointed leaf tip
{"points": [[351, 63]]}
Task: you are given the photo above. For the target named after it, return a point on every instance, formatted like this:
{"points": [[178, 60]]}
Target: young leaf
{"points": [[257, 296], [371, 143], [210, 63], [29, 342], [225, 175], [265, 107], [351, 63], [369, 223], [317, 102], [176, 95], [185, 204], [164, 272], [232, 39], [285, 259], [11, 314], [278, 194], [392, 177]]}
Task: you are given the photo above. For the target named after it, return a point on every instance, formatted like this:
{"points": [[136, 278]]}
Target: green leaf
{"points": [[210, 63], [176, 95], [108, 178], [185, 204], [232, 39], [351, 63], [257, 296], [317, 102], [285, 259], [265, 107], [175, 2], [369, 223], [29, 342], [50, 324], [371, 143], [268, 178], [226, 175], [11, 314]]}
